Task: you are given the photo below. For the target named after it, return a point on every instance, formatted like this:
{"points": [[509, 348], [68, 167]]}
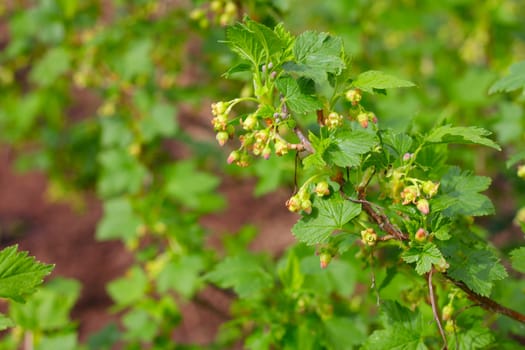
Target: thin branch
{"points": [[435, 310], [487, 303], [304, 141]]}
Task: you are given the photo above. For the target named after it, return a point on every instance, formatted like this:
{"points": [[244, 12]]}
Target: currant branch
{"points": [[394, 233]]}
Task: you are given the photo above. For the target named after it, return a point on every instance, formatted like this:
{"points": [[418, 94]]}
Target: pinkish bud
{"points": [[267, 151], [362, 119], [409, 194], [354, 96], [222, 137], [233, 157], [421, 235], [407, 156], [322, 189], [423, 206], [324, 260]]}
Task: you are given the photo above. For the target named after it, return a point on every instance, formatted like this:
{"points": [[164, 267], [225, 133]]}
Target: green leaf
{"points": [[49, 308], [424, 256], [243, 273], [182, 276], [20, 274], [139, 326], [396, 143], [290, 274], [372, 79], [119, 220], [403, 329], [51, 66], [253, 41], [460, 195], [136, 59], [513, 81], [472, 264], [461, 135], [316, 54], [66, 341], [5, 322], [294, 98], [327, 216], [475, 337], [517, 257], [193, 188], [344, 332], [129, 289], [120, 173], [348, 145], [160, 122]]}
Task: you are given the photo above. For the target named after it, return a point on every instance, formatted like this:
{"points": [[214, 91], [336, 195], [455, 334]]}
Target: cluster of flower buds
{"points": [[220, 122], [334, 120], [418, 193], [300, 201], [369, 236], [364, 118], [354, 96]]}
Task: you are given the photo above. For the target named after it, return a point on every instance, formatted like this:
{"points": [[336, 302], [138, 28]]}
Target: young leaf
{"points": [[294, 97], [129, 289], [243, 42], [461, 195], [372, 79], [20, 274], [242, 273], [316, 54], [327, 215], [347, 146], [517, 256], [515, 80], [472, 264], [461, 135], [424, 256]]}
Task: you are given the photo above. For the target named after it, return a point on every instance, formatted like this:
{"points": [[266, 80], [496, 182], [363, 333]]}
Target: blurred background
{"points": [[110, 170]]}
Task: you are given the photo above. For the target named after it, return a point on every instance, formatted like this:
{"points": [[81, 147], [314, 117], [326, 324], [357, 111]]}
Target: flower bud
{"points": [[407, 156], [362, 118], [334, 120], [450, 326], [250, 122], [222, 137], [372, 117], [447, 312], [423, 206], [233, 157], [218, 108], [306, 206], [430, 188], [354, 96], [322, 189], [281, 148], [324, 259], [421, 235], [293, 204], [267, 152], [369, 236], [521, 171], [409, 194], [442, 265]]}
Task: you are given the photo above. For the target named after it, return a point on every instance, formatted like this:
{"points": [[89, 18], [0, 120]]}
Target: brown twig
{"points": [[435, 310], [487, 303], [304, 141]]}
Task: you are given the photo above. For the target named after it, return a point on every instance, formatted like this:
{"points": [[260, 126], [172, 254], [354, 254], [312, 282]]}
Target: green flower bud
{"points": [[222, 137], [369, 236], [324, 259], [430, 188], [354, 96], [322, 189]]}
